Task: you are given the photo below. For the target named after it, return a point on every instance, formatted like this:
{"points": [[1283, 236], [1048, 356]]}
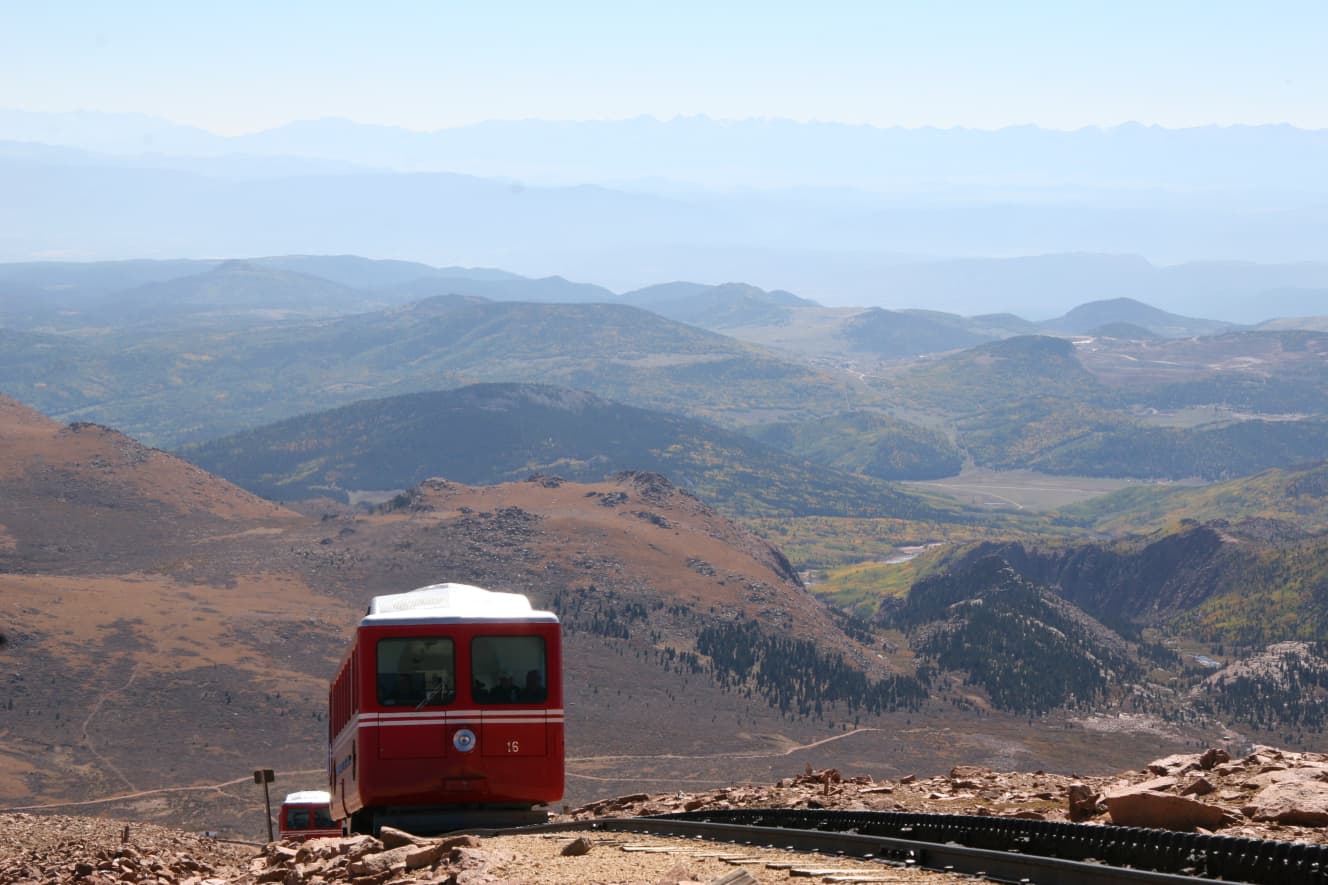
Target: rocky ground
{"points": [[1268, 794]]}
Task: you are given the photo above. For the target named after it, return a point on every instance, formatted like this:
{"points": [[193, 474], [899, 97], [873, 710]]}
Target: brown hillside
{"points": [[82, 496]]}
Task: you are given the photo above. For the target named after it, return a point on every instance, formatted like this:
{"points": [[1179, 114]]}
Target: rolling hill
{"points": [[1294, 498], [867, 443], [174, 387], [234, 293], [1000, 372], [720, 307], [492, 433], [1083, 319]]}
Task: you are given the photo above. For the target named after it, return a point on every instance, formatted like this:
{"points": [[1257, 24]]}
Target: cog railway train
{"points": [[447, 712], [306, 815]]}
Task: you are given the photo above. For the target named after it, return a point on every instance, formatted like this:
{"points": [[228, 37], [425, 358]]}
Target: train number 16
{"points": [[514, 746]]}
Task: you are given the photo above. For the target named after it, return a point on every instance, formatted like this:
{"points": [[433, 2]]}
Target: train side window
{"points": [[323, 819], [416, 671], [508, 670], [297, 818]]}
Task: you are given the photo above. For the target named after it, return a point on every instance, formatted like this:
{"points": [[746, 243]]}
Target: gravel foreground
{"points": [[59, 850]]}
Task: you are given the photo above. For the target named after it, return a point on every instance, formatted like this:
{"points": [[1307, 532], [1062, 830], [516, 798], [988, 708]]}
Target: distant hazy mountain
{"points": [[1123, 330], [33, 292], [368, 273], [758, 152], [232, 292], [894, 334], [238, 167], [717, 307], [844, 215], [1034, 286], [548, 290], [1127, 311]]}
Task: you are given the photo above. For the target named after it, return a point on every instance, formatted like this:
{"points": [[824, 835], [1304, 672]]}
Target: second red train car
{"points": [[306, 815], [447, 712]]}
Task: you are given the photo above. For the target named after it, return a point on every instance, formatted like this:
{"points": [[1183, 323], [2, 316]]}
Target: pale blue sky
{"points": [[242, 66]]}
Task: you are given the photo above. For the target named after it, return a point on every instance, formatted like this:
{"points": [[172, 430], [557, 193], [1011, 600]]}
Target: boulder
{"points": [[425, 855], [1273, 776], [383, 861], [577, 847], [1157, 785], [1177, 764], [1200, 786], [394, 838], [1083, 802], [1301, 803], [1139, 807]]}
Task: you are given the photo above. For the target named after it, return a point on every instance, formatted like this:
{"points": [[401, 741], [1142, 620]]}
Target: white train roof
{"points": [[443, 603], [308, 797]]}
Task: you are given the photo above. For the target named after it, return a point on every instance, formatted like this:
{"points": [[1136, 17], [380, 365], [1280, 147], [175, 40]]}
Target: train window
{"points": [[508, 670], [297, 818], [323, 818], [416, 671]]}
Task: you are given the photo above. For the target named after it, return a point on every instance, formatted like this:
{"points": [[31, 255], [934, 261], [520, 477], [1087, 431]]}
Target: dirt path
{"points": [[86, 732], [141, 793], [789, 751]]}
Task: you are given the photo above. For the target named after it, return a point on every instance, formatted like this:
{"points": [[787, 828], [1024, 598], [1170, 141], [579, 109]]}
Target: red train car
{"points": [[305, 815], [447, 712]]}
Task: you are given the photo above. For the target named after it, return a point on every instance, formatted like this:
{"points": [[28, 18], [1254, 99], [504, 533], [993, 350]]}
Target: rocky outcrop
{"points": [[1142, 583]]}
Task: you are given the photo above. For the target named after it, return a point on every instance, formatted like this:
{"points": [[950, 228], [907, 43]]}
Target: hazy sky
{"points": [[242, 66]]}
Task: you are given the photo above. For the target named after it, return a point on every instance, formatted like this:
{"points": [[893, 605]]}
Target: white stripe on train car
{"points": [[553, 716], [523, 720], [493, 714], [474, 717]]}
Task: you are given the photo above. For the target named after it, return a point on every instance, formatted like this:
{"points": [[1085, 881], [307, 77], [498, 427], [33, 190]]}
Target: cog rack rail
{"points": [[995, 848]]}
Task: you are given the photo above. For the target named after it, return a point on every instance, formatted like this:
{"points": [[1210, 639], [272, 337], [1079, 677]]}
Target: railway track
{"points": [[998, 849]]}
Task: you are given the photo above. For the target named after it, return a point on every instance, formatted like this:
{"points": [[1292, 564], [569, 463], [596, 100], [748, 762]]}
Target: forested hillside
{"points": [[491, 433]]}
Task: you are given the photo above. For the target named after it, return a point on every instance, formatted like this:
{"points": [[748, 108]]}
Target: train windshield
{"points": [[416, 671], [317, 818], [508, 670]]}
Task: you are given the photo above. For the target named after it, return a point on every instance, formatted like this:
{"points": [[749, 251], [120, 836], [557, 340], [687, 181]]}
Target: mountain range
{"points": [[767, 153], [174, 357], [942, 219]]}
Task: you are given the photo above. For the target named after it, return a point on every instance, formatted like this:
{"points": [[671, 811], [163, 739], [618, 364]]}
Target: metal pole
{"points": [[267, 803], [264, 776]]}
